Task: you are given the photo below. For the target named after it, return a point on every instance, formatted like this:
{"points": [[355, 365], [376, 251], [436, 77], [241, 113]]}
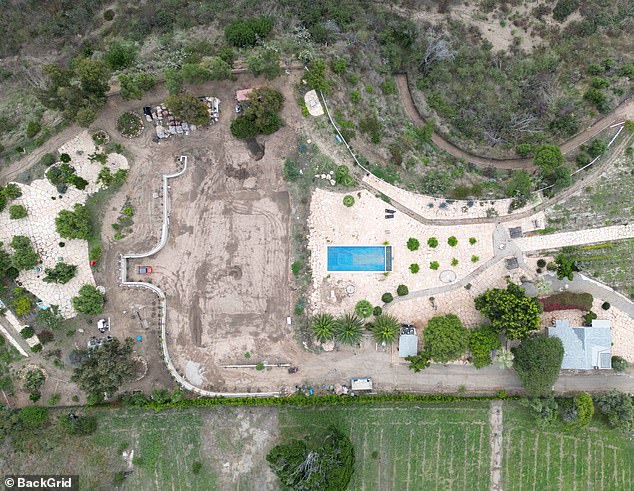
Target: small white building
{"points": [[361, 384]]}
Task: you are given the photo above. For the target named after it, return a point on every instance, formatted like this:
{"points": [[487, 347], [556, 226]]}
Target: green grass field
{"points": [[407, 446], [595, 458], [398, 446]]}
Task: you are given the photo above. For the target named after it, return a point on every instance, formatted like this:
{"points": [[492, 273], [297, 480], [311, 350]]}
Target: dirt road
{"points": [[623, 111]]}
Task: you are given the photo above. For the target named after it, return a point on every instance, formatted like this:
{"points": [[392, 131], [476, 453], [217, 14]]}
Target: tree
{"points": [[618, 408], [89, 301], [363, 309], [413, 244], [106, 369], [218, 68], [445, 338], [120, 55], [509, 310], [188, 108], [195, 74], [260, 114], [548, 158], [326, 465], [133, 87], [323, 326], [17, 211], [265, 61], [520, 184], [566, 267], [315, 76], [24, 256], [246, 32], [74, 224], [348, 329], [561, 177], [537, 363], [420, 361], [385, 328], [482, 341], [437, 48], [62, 273], [173, 81], [93, 78]]}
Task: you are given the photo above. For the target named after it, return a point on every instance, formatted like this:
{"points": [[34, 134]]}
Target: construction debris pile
{"points": [[167, 124]]}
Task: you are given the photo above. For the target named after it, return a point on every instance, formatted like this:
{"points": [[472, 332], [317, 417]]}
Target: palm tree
{"points": [[504, 358], [323, 326], [385, 328], [349, 329]]}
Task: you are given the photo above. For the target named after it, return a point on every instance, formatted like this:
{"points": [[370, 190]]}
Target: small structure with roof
{"points": [[242, 95], [311, 99], [407, 341], [361, 384], [585, 348]]}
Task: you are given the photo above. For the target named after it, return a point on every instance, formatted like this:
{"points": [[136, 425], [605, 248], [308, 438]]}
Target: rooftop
{"points": [[585, 348]]}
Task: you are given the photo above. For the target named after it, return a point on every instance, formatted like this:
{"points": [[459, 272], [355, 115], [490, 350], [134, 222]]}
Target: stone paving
{"points": [[331, 223], [579, 237], [43, 203]]}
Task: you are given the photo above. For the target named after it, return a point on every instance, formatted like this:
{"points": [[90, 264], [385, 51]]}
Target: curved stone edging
{"points": [[163, 299]]}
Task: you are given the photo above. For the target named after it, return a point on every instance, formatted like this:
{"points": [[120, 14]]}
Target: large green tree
{"points": [[548, 158], [24, 256], [74, 224], [260, 116], [618, 408], [319, 464], [510, 311], [89, 301], [445, 338], [537, 363], [106, 369]]}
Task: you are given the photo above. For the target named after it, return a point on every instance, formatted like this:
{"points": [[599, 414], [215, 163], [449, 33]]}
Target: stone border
{"points": [[163, 300]]}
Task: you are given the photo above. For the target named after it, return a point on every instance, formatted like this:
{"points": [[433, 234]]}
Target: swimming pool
{"points": [[360, 258]]}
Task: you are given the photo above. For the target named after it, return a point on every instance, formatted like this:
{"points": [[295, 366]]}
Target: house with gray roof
{"points": [[585, 348], [408, 341]]}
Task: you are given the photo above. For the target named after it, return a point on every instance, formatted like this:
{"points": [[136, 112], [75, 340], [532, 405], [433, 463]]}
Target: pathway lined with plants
{"points": [[578, 237], [495, 421], [624, 111]]}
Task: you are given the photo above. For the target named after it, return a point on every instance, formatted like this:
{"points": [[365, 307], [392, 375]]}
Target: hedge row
{"points": [[567, 301], [317, 400]]}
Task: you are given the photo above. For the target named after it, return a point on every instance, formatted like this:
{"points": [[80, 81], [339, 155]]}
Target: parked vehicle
{"points": [[145, 270], [103, 325]]}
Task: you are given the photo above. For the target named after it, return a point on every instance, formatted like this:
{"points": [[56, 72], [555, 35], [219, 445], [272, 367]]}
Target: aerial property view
{"points": [[317, 245]]}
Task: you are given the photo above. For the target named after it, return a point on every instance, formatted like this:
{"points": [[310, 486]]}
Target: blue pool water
{"points": [[359, 258]]}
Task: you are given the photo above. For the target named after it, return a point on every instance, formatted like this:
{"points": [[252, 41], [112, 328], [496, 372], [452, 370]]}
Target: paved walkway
{"points": [[578, 237], [497, 449]]}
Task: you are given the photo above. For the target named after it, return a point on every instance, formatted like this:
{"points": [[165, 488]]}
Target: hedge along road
{"points": [[623, 111]]}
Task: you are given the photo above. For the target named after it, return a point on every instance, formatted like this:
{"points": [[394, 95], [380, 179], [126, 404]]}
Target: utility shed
{"points": [[407, 342], [585, 348]]}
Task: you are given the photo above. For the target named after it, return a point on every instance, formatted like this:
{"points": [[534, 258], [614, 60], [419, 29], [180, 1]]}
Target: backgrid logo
{"points": [[42, 482]]}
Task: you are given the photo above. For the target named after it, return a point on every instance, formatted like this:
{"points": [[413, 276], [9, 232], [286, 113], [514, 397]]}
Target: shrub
{"points": [[188, 108], [547, 158], [563, 8], [389, 87], [454, 262], [413, 244], [348, 200], [27, 332], [414, 268], [33, 416], [475, 259], [24, 256], [618, 408], [597, 147], [32, 129], [432, 242], [377, 311], [583, 159], [566, 267], [62, 273], [537, 363], [473, 240], [541, 263], [482, 341], [445, 338], [339, 66], [17, 212], [130, 124], [434, 265], [343, 177], [605, 305], [619, 364], [524, 149], [120, 55], [108, 15], [402, 290], [22, 305], [363, 309], [387, 297], [567, 301]]}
